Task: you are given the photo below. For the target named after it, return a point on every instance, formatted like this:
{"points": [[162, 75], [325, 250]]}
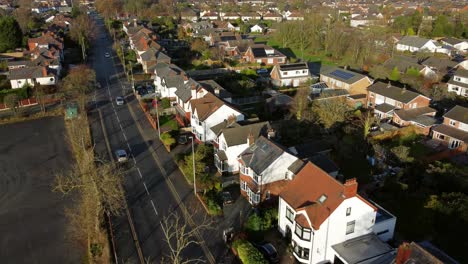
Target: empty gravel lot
{"points": [[32, 220]]}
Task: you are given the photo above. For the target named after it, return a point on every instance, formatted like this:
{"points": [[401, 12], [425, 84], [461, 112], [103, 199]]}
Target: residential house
{"points": [[209, 15], [415, 44], [461, 45], [188, 14], [294, 16], [167, 79], [327, 221], [459, 83], [47, 41], [216, 89], [440, 67], [365, 20], [32, 76], [231, 140], [421, 117], [337, 78], [453, 132], [207, 112], [230, 16], [250, 16], [150, 58], [257, 28], [185, 92], [265, 55], [225, 26], [385, 99], [265, 169], [292, 74], [405, 63], [272, 16]]}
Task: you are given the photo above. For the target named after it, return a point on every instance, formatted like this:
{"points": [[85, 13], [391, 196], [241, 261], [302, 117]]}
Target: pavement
{"points": [[32, 219], [154, 185]]}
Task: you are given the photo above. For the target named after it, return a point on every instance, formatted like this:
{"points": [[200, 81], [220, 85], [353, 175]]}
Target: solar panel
{"points": [[342, 74]]}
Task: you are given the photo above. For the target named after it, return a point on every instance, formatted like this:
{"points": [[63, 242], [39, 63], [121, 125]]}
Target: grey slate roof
{"points": [[297, 166], [211, 86], [461, 72], [238, 135], [398, 94], [402, 64], [261, 154], [219, 127], [184, 91], [325, 163], [221, 155], [411, 114], [452, 41], [26, 73], [452, 132], [328, 70], [443, 65], [425, 120], [458, 113], [363, 248], [413, 41]]}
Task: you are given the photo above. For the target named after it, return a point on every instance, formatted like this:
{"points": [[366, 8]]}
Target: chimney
{"points": [[404, 251], [271, 133], [404, 89], [135, 24], [350, 188], [389, 84], [250, 139], [216, 91], [44, 71]]}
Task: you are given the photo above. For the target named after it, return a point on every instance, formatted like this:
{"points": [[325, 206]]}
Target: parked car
{"points": [[227, 198], [262, 71], [182, 139], [269, 251], [107, 55], [119, 100], [121, 156]]}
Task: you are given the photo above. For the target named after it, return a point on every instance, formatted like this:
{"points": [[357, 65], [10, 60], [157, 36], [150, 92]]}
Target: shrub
{"points": [[165, 103], [263, 221], [167, 139], [247, 253]]}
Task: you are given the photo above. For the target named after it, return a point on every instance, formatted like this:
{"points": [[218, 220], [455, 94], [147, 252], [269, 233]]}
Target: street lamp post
{"points": [[193, 159], [157, 116]]}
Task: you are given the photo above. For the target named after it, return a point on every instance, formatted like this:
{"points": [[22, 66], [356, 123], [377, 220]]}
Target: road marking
{"points": [[121, 128], [139, 173], [125, 136], [154, 207], [118, 119], [134, 160], [146, 188], [129, 148]]}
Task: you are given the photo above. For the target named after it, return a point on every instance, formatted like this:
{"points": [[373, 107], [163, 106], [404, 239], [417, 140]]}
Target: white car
{"points": [[107, 55], [121, 155], [119, 100]]}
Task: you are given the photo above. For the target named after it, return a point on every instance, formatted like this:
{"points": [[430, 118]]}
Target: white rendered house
{"points": [[319, 214], [415, 44], [459, 83], [168, 77]]}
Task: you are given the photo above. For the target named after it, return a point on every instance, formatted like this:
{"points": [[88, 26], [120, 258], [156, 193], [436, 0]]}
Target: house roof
{"points": [[302, 220], [458, 113], [443, 65], [260, 51], [237, 135], [184, 91], [395, 93], [461, 84], [453, 41], [47, 39], [261, 154], [206, 106], [221, 155], [212, 86], [384, 108], [425, 120], [411, 114], [402, 64], [293, 66], [451, 132], [297, 166], [324, 163], [413, 41], [461, 72], [309, 149], [343, 75], [29, 73], [310, 184], [363, 248]]}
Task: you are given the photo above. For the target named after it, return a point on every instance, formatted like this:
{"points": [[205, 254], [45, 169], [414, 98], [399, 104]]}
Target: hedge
{"points": [[247, 253], [23, 93]]}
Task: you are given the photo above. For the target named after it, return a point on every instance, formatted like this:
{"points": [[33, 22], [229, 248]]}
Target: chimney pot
{"points": [[404, 251], [350, 188]]}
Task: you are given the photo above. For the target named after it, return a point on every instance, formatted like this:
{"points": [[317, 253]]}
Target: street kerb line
{"points": [[186, 214], [129, 217], [146, 189]]}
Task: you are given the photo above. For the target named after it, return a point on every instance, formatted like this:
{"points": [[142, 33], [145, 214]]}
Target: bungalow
{"points": [[439, 66], [293, 16], [189, 14], [250, 16], [421, 117], [337, 78], [327, 221], [258, 28], [207, 112], [263, 54], [272, 17], [231, 140], [454, 130], [459, 44], [405, 63], [230, 16], [459, 83], [293, 74], [19, 77], [415, 44], [209, 15], [385, 98], [265, 168]]}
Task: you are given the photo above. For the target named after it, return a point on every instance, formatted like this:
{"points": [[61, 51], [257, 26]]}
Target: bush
{"points": [[247, 253], [263, 221], [23, 93], [167, 139], [165, 103]]}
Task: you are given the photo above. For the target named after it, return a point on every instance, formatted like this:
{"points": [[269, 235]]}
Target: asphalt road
{"points": [[32, 220], [154, 185]]}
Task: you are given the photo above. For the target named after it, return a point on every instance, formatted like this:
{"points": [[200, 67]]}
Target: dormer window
{"points": [[322, 198]]}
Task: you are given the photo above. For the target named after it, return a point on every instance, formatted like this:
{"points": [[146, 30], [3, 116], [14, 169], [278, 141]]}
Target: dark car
{"points": [[269, 251], [182, 140], [227, 198]]}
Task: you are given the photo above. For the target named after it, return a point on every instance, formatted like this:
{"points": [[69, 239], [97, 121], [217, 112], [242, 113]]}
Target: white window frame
{"points": [[350, 227]]}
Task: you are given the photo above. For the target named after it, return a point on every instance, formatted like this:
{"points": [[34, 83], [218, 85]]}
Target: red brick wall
{"points": [[420, 100]]}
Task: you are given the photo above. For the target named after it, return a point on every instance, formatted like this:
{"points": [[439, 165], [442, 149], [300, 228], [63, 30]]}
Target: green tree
{"points": [[11, 101], [379, 72], [450, 204], [330, 112], [402, 153], [10, 34], [395, 74]]}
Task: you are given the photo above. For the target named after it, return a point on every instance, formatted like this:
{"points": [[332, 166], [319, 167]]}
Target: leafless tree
{"points": [[300, 107], [83, 30], [11, 101]]}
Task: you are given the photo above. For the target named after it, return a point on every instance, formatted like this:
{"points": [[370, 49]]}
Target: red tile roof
{"points": [[304, 191]]}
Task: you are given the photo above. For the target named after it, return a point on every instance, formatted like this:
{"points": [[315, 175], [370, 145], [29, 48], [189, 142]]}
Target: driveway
{"points": [[32, 220]]}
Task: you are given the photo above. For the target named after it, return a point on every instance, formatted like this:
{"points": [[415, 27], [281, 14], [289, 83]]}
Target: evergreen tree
{"points": [[10, 34], [395, 74]]}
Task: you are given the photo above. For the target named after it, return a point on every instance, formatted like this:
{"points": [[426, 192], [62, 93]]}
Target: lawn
{"points": [[168, 121]]}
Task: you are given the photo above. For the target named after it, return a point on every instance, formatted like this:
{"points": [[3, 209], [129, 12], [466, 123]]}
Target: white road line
{"points": [[154, 207], [139, 173], [146, 188], [134, 160], [118, 119], [129, 148], [125, 136], [121, 128]]}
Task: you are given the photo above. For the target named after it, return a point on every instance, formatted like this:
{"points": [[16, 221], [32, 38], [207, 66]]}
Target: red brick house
{"points": [[265, 55], [453, 132]]}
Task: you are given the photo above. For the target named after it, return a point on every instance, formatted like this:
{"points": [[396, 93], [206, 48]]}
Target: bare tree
{"points": [[330, 111], [78, 83], [82, 30], [300, 105], [11, 101], [179, 235]]}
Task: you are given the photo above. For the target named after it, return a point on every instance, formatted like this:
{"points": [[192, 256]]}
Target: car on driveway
{"points": [[182, 139], [227, 198], [121, 156], [269, 251], [119, 100], [107, 55]]}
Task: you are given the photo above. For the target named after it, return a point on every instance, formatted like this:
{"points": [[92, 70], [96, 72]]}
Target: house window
{"points": [[399, 104], [350, 227], [440, 136], [51, 79], [303, 233], [19, 81], [257, 178], [267, 195], [348, 211], [289, 214], [415, 105], [455, 89], [285, 73], [453, 123], [244, 185], [244, 170], [301, 252], [457, 79]]}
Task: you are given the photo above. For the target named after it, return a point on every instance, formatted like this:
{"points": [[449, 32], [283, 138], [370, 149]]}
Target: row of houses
{"points": [[270, 15], [445, 45]]}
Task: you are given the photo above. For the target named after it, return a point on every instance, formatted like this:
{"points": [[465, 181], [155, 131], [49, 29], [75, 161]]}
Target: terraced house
{"points": [[327, 221]]}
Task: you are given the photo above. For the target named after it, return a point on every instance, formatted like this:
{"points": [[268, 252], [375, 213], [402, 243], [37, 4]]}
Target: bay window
{"points": [[301, 252], [289, 214], [303, 232]]}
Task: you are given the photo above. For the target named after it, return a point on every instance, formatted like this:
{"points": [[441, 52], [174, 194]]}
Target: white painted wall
{"points": [[49, 80], [203, 130], [278, 169], [459, 90], [16, 84], [463, 46], [232, 152]]}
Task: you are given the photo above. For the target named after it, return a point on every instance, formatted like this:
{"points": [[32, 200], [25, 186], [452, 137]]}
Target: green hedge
{"points": [[22, 93], [247, 253]]}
